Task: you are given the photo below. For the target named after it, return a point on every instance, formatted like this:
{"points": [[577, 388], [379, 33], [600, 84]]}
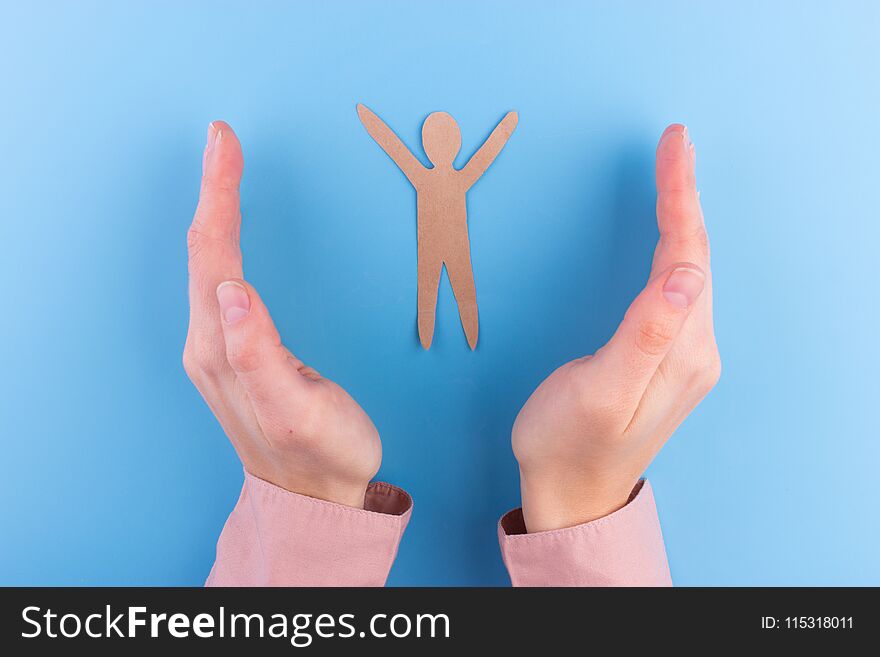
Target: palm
{"points": [[592, 427], [289, 425]]}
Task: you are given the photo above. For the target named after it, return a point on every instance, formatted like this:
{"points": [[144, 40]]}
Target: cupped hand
{"points": [[586, 435], [288, 425]]}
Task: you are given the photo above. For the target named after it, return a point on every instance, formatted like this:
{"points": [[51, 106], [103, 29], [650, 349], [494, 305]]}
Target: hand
{"points": [[589, 431], [289, 426]]}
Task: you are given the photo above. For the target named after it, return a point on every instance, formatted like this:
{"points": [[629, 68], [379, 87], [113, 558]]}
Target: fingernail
{"points": [[683, 286], [682, 136], [213, 136], [234, 301], [213, 139], [689, 145]]}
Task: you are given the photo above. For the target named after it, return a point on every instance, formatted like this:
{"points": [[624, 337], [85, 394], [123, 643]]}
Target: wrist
{"points": [[560, 500], [347, 493]]}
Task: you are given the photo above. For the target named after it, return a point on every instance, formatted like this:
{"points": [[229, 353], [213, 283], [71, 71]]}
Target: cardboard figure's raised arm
{"points": [[481, 160], [390, 143]]}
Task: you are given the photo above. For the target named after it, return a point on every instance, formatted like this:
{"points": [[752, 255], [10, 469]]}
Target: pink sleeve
{"points": [[624, 548], [277, 538]]}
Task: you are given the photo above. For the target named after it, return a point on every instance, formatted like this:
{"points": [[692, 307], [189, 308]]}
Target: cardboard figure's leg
{"points": [[462, 278], [429, 281]]}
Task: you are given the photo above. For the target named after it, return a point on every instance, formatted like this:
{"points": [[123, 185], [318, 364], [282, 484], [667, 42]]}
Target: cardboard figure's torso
{"points": [[442, 209]]}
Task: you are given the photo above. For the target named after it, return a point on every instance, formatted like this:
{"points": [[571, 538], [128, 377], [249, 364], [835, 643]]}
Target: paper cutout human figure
{"points": [[442, 209]]}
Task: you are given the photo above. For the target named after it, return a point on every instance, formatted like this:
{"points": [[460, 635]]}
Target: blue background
{"points": [[115, 471]]}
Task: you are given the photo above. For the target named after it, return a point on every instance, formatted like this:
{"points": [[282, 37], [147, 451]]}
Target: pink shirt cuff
{"points": [[624, 548], [274, 537]]}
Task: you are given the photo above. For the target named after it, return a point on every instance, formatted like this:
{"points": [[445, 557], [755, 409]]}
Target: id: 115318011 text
{"points": [[807, 623]]}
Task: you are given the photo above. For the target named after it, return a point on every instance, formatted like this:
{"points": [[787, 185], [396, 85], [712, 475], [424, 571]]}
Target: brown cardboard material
{"points": [[442, 209]]}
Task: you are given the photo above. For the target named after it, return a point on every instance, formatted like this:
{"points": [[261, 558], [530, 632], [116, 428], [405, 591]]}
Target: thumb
{"points": [[253, 347], [650, 327]]}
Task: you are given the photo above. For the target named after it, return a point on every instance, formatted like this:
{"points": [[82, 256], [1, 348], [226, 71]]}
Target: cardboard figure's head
{"points": [[441, 138]]}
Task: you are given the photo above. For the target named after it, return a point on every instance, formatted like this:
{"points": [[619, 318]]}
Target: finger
{"points": [[269, 373], [214, 254], [649, 329], [218, 212], [679, 217]]}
